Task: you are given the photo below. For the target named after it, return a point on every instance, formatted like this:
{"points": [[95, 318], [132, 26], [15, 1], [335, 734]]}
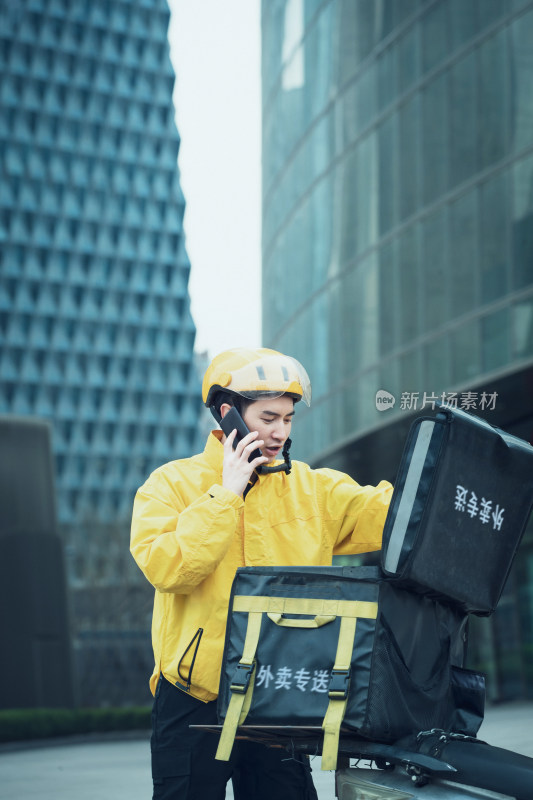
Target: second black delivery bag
{"points": [[462, 499]]}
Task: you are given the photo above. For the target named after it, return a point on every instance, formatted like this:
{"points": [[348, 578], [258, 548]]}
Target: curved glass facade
{"points": [[397, 200], [398, 237]]}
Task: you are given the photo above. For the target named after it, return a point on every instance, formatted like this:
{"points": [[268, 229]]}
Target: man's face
{"points": [[272, 419]]}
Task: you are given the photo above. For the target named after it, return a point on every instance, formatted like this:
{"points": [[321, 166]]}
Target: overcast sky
{"points": [[215, 49]]}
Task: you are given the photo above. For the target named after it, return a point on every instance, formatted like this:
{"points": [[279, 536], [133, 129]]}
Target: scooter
{"points": [[433, 765]]}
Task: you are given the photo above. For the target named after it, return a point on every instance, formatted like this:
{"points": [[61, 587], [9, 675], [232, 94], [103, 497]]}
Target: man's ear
{"points": [[224, 408]]}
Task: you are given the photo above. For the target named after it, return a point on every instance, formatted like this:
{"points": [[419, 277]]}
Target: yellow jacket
{"points": [[189, 534]]}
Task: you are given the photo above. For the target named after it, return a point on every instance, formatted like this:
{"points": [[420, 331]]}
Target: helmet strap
{"points": [[285, 467]]}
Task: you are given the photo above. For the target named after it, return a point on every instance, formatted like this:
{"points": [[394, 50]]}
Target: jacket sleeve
{"points": [[354, 515], [177, 545]]}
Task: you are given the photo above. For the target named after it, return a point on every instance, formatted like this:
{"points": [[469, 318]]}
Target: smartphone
{"points": [[232, 421]]}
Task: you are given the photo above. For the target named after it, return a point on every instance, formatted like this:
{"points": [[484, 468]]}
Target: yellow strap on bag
{"points": [[305, 605], [241, 693], [338, 697], [323, 611]]}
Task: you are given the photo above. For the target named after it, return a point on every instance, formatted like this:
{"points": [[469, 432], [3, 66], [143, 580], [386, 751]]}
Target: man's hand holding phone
{"points": [[237, 468]]}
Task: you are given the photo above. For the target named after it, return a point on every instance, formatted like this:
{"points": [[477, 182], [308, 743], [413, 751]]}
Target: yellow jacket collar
{"points": [[214, 450]]}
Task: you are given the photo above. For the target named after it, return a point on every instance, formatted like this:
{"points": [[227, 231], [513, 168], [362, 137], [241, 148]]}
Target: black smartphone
{"points": [[232, 421]]}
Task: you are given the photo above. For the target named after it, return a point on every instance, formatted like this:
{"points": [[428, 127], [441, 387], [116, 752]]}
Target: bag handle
{"points": [[291, 622]]}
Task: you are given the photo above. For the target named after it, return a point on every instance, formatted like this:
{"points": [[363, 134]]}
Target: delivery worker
{"points": [[195, 521]]}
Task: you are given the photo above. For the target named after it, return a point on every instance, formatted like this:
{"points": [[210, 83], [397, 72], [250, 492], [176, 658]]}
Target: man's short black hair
{"points": [[238, 401], [232, 399]]}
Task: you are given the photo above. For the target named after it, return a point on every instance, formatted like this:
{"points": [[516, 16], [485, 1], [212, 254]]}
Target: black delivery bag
{"points": [[461, 502], [340, 648]]}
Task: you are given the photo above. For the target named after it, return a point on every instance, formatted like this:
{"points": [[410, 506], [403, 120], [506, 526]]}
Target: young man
{"points": [[197, 520]]}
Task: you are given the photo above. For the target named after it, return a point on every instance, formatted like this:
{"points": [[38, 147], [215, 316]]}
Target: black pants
{"points": [[184, 765]]}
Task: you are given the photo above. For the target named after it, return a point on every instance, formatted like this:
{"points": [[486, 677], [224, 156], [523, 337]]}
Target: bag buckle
{"points": [[241, 678], [339, 684]]}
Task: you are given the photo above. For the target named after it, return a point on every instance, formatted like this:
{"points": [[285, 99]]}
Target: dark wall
{"points": [[35, 668]]}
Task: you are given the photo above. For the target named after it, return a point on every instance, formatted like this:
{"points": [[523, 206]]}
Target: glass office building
{"points": [[397, 235], [96, 333]]}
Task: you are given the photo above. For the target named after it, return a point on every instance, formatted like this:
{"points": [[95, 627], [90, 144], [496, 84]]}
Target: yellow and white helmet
{"points": [[252, 373]]}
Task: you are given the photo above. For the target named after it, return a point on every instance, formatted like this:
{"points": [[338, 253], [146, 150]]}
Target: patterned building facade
{"points": [[96, 333]]}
